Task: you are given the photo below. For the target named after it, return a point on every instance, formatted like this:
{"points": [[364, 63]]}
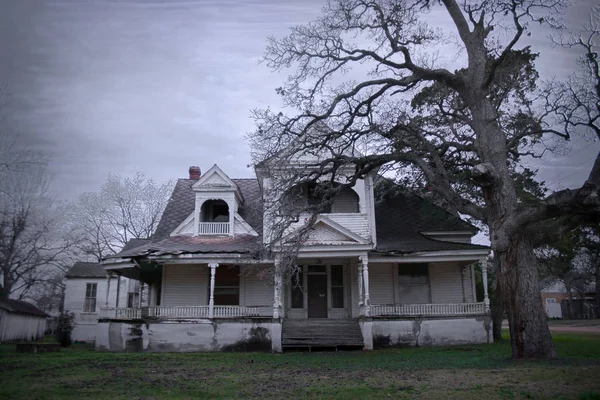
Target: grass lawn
{"points": [[463, 372]]}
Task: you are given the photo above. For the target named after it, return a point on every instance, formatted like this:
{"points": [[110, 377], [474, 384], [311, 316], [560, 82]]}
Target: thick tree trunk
{"points": [[518, 278], [597, 287], [497, 305]]}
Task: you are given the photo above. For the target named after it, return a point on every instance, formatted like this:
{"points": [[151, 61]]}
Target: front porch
{"points": [[228, 304]]}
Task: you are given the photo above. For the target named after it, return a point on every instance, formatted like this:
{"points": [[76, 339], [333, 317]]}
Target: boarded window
{"points": [[413, 273], [298, 290], [346, 201], [227, 286], [414, 283], [89, 302], [337, 286], [133, 300]]}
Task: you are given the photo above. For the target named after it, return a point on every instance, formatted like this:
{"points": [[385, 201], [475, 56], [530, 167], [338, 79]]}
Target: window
{"points": [[413, 273], [89, 302], [346, 201], [298, 290], [215, 211], [550, 300], [337, 286], [413, 282], [133, 300], [227, 286]]}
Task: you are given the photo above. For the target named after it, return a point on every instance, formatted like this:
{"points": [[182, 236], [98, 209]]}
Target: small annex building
{"points": [[86, 285], [20, 320]]}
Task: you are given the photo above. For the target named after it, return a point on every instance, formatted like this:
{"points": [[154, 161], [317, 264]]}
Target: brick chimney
{"points": [[194, 172]]}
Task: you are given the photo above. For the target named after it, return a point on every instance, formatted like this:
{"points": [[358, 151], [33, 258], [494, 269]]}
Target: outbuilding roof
{"points": [[86, 270], [21, 307]]}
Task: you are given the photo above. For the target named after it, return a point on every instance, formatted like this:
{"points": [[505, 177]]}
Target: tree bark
{"points": [[518, 277], [497, 305], [597, 287]]}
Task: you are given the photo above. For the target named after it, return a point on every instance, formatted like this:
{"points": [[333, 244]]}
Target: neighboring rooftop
{"points": [[86, 270], [21, 307]]}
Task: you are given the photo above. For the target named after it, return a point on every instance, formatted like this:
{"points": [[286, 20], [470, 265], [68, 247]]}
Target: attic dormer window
{"points": [[214, 211], [311, 196]]}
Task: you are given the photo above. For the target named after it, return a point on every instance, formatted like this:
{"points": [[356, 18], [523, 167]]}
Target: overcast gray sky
{"points": [[120, 86]]}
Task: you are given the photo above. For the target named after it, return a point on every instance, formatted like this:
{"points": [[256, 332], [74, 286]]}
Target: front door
{"points": [[317, 296]]}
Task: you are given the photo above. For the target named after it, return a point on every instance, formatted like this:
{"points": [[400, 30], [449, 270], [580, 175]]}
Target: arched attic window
{"points": [[312, 196], [214, 211]]}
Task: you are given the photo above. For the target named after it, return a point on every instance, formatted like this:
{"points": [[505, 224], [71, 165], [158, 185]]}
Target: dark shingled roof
{"points": [[86, 270], [133, 243], [21, 307], [181, 205], [399, 220]]}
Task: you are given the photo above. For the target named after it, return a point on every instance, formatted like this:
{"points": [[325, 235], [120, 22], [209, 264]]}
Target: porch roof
{"points": [[239, 244]]}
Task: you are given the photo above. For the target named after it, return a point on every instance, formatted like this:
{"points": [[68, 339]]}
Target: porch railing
{"points": [[381, 310], [213, 228], [193, 312]]}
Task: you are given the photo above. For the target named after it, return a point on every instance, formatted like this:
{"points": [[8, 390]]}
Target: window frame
{"points": [[87, 298], [226, 287]]}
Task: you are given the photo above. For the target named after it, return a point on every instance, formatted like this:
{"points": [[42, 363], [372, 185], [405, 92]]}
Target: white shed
{"points": [[20, 320]]}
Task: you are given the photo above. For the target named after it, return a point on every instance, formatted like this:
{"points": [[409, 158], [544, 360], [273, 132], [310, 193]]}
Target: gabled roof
{"points": [[21, 307], [86, 270], [399, 220], [182, 204]]}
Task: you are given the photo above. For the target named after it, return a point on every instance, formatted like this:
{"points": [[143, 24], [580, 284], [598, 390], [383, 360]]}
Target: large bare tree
{"points": [[124, 208], [460, 133]]}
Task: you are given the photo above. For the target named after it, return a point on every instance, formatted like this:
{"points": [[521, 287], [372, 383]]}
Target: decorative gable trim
{"points": [[326, 231], [215, 180], [242, 226]]}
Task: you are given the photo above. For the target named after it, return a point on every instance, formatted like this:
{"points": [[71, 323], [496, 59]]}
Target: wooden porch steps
{"points": [[321, 333]]}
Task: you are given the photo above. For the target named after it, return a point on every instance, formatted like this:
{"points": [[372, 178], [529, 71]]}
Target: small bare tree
{"points": [[123, 209], [32, 239]]}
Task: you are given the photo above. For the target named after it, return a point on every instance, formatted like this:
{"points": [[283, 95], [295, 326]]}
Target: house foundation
{"points": [[418, 332], [189, 335]]}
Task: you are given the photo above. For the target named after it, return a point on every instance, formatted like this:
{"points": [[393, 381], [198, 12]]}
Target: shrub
{"points": [[66, 323]]}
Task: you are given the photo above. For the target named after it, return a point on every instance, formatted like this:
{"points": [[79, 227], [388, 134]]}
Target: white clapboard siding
{"points": [[381, 283], [446, 283], [21, 326], [257, 292], [185, 285], [357, 223]]}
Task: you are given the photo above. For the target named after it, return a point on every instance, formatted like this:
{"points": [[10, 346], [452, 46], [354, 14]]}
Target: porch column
{"points": [[141, 292], [211, 299], [118, 289], [108, 278], [486, 299], [277, 291], [365, 269], [360, 286]]}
